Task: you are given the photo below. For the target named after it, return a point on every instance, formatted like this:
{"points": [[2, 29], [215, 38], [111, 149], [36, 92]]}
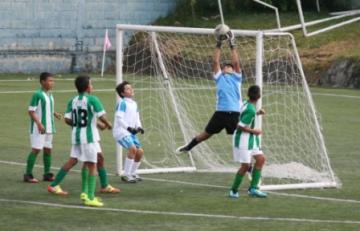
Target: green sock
{"points": [[92, 186], [256, 175], [59, 177], [84, 180], [30, 162], [47, 163], [103, 177], [237, 182]]}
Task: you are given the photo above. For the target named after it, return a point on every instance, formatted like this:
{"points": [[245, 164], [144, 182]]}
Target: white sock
{"points": [[128, 166], [135, 167]]}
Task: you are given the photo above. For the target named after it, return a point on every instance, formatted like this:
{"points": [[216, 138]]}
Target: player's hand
{"points": [[132, 130], [141, 130], [261, 112], [41, 128], [58, 115], [101, 125], [109, 126], [257, 131], [231, 38], [219, 42]]}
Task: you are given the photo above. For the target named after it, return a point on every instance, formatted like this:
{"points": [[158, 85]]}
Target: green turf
{"points": [[339, 109]]}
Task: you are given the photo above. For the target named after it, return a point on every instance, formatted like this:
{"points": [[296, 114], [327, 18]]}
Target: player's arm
{"points": [[58, 115], [37, 121], [105, 121], [68, 121], [138, 123], [216, 58]]}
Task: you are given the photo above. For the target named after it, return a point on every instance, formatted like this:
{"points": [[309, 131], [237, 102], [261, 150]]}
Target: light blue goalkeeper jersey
{"points": [[228, 91]]}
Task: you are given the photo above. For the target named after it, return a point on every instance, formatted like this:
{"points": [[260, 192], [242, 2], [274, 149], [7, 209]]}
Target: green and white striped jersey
{"points": [[83, 110], [245, 140], [42, 103]]}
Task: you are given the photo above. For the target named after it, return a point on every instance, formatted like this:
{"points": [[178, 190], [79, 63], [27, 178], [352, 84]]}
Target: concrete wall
{"points": [[43, 35]]}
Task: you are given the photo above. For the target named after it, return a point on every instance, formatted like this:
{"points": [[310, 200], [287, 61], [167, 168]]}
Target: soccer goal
{"points": [[170, 68]]}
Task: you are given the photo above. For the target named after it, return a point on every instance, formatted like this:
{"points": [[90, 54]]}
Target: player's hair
{"points": [[254, 92], [82, 83], [121, 87], [228, 64], [44, 76]]}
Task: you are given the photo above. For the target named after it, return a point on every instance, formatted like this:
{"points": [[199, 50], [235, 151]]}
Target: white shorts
{"points": [[40, 141], [244, 155], [85, 152]]}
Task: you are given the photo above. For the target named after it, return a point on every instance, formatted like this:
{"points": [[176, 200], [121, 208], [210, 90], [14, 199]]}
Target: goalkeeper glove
{"points": [[132, 130], [141, 130], [218, 43], [232, 42]]}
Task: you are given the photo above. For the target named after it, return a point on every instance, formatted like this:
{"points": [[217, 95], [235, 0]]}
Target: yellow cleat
{"points": [[110, 189], [84, 196], [56, 190], [94, 203]]}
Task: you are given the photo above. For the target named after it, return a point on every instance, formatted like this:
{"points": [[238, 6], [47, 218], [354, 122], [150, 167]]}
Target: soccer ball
{"points": [[221, 32]]}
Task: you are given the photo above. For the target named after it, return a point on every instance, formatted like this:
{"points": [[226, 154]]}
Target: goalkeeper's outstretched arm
{"points": [[216, 60], [235, 60]]}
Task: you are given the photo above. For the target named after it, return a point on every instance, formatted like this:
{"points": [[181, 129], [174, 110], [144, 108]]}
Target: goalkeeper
{"points": [[126, 125], [228, 95]]}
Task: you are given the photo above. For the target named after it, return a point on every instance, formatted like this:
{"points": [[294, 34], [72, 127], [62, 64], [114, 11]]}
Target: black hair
{"points": [[82, 83], [44, 76], [254, 92], [228, 64], [121, 87]]}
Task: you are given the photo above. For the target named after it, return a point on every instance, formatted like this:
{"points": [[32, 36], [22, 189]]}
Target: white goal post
{"points": [[170, 69]]}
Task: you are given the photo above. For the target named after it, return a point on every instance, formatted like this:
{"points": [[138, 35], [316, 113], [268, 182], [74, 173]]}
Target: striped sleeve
{"points": [[246, 118], [98, 107], [34, 102], [68, 110]]}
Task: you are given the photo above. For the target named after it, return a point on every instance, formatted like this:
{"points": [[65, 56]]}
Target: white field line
{"points": [[208, 185], [183, 214], [56, 79]]}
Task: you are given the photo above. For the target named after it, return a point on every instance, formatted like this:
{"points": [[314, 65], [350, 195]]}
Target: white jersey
{"points": [[126, 115], [42, 103]]}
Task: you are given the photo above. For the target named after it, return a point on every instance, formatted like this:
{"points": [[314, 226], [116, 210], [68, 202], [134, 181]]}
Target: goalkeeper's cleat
{"points": [[137, 177], [110, 189], [181, 149], [56, 190], [96, 202], [84, 196], [29, 178], [128, 179], [233, 194], [253, 192], [48, 177]]}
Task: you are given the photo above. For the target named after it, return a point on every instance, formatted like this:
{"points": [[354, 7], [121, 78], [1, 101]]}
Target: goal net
{"points": [[171, 71]]}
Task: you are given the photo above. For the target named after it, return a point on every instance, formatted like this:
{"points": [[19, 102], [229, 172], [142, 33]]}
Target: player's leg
{"points": [[104, 181], [128, 143], [243, 157], [137, 162], [215, 125], [92, 200], [48, 176], [84, 183], [37, 144], [256, 176], [54, 187]]}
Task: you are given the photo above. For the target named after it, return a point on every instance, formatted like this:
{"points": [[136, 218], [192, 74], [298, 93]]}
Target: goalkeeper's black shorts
{"points": [[221, 120]]}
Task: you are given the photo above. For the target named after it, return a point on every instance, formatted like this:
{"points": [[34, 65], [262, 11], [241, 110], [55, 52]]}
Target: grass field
{"points": [[191, 201]]}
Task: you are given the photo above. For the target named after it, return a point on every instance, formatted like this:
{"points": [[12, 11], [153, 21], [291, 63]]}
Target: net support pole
{"points": [[119, 79], [301, 15], [259, 72], [171, 91], [221, 12]]}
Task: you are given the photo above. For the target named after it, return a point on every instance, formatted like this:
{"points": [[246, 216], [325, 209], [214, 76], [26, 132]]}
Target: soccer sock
{"points": [[30, 162], [92, 186], [47, 163], [103, 177], [59, 177], [256, 175], [84, 180], [192, 144], [128, 165], [237, 181], [135, 167]]}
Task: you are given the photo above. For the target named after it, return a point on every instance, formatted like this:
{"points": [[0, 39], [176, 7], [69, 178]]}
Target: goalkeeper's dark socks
{"points": [[30, 162], [47, 163], [192, 144]]}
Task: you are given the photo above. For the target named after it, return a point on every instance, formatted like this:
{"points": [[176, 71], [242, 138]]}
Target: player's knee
{"points": [[100, 160], [140, 152], [35, 151], [260, 160]]}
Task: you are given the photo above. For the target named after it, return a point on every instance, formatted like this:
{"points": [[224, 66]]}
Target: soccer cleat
{"points": [[233, 195], [84, 196], [137, 177], [96, 202], [181, 149], [56, 190], [253, 192], [128, 179], [48, 177], [29, 178], [110, 189]]}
